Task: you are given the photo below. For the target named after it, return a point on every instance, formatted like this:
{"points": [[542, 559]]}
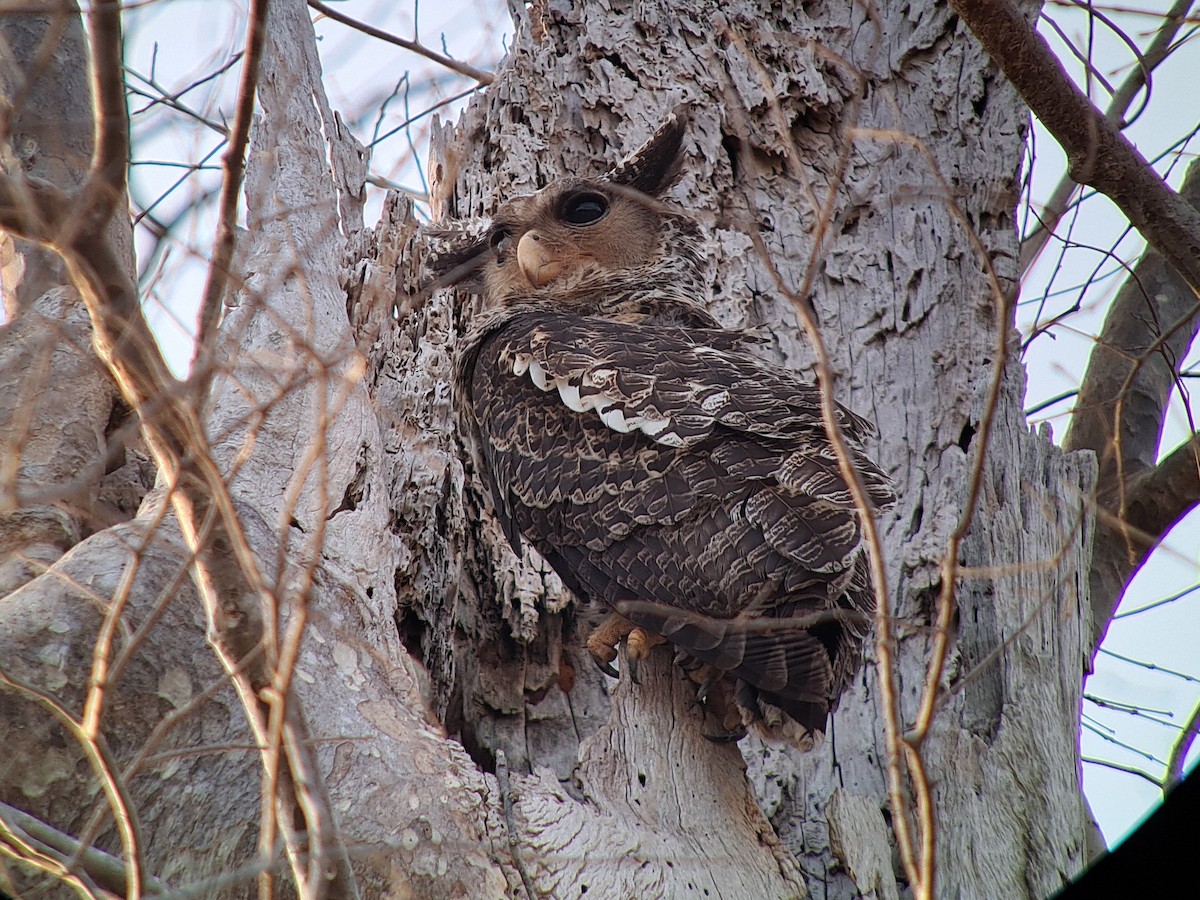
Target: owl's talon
{"points": [[603, 657], [632, 665], [602, 642], [640, 642], [606, 668], [638, 645]]}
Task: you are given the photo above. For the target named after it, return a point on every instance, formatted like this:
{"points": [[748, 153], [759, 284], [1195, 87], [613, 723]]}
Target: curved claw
{"points": [[606, 668], [602, 642], [632, 663]]}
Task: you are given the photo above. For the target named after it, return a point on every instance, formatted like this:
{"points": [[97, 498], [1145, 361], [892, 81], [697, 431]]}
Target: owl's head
{"points": [[581, 243]]}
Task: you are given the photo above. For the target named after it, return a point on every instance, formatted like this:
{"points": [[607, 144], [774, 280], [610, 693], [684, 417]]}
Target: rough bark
{"points": [[1148, 328], [330, 418], [61, 405], [902, 301]]}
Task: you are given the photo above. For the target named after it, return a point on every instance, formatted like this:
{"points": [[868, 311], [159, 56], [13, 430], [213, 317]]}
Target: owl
{"points": [[672, 478]]}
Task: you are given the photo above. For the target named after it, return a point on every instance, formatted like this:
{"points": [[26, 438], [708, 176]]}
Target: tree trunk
{"points": [[875, 158]]}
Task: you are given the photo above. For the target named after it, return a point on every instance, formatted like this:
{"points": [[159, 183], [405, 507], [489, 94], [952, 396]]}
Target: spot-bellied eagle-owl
{"points": [[667, 474]]}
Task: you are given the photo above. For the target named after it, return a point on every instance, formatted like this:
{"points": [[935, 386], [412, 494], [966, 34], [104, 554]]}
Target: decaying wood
{"points": [[665, 811], [330, 420]]}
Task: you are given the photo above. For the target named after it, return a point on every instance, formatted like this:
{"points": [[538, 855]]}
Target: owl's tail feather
{"points": [[783, 667]]}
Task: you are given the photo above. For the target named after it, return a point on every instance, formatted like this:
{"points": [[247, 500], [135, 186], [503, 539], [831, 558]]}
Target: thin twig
{"points": [[1149, 665], [108, 871], [234, 164], [103, 766], [462, 68], [172, 99], [1179, 751], [1107, 734], [514, 844], [1097, 152], [1129, 709], [1131, 770], [1139, 77]]}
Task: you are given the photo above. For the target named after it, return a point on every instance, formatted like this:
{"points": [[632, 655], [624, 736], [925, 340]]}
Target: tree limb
{"points": [[107, 179], [1139, 76], [234, 595], [106, 870], [1179, 752], [1159, 497], [1098, 154], [234, 164], [1120, 413]]}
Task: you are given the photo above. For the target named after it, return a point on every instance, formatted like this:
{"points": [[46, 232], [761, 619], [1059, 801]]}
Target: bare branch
{"points": [[234, 164], [107, 871], [1140, 76], [1129, 770], [106, 182], [1179, 752], [1121, 410], [1097, 153], [1159, 497], [174, 431], [462, 68], [103, 766]]}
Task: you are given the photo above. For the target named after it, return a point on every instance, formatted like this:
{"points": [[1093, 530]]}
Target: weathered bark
{"points": [[60, 404], [330, 417], [902, 301]]}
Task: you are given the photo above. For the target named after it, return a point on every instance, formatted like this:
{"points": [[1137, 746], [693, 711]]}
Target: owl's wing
{"points": [[680, 389], [674, 476]]}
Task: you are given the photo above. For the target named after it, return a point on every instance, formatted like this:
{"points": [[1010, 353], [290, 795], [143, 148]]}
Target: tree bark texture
{"points": [[62, 405], [875, 158], [921, 212]]}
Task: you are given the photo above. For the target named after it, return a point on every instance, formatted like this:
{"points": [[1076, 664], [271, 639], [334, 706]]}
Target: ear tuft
{"points": [[654, 166]]}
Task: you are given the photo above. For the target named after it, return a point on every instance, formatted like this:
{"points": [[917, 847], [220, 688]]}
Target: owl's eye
{"points": [[584, 209], [499, 240]]}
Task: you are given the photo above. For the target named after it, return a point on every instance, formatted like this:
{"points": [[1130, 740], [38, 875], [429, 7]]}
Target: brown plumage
{"points": [[664, 471]]}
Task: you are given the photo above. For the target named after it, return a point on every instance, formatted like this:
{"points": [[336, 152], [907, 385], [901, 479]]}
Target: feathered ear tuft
{"points": [[654, 166], [454, 253]]}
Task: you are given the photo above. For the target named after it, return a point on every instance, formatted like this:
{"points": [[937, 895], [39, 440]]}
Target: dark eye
{"points": [[584, 209], [499, 240]]}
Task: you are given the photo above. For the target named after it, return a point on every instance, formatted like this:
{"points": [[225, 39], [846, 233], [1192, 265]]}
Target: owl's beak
{"points": [[536, 261]]}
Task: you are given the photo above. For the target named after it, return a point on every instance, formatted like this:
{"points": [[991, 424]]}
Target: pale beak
{"points": [[538, 264]]}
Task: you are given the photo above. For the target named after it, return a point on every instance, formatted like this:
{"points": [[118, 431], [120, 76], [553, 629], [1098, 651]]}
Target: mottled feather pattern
{"points": [[660, 467], [733, 487]]}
